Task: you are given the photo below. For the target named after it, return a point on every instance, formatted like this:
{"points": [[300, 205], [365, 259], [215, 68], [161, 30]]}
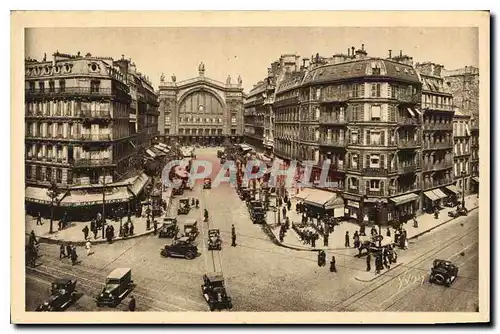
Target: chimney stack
{"points": [[401, 53], [390, 54], [348, 52], [352, 51], [362, 47]]}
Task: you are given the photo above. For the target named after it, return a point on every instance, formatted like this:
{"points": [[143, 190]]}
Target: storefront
{"points": [[433, 199], [453, 194], [322, 202], [38, 200], [475, 184], [404, 207]]}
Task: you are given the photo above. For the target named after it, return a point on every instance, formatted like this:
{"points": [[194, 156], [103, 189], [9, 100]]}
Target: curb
{"points": [[377, 276], [48, 240], [276, 241]]}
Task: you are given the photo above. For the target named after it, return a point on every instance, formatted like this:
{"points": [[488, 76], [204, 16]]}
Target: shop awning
{"points": [[304, 193], [404, 199], [321, 198], [430, 195], [453, 189], [418, 112], [161, 149], [39, 195], [151, 153], [475, 179], [335, 203], [138, 184], [439, 193], [410, 112], [82, 198]]}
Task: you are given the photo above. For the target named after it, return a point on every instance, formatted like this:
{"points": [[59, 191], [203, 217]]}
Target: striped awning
{"points": [[39, 195], [453, 189], [139, 184], [411, 112], [431, 195], [78, 198], [439, 193], [399, 200], [151, 153]]}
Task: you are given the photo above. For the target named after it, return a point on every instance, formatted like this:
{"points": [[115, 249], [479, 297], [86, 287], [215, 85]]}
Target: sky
{"points": [[249, 51]]}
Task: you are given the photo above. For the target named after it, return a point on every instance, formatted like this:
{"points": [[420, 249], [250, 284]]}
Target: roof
{"points": [[215, 276], [119, 272], [361, 68], [190, 221]]}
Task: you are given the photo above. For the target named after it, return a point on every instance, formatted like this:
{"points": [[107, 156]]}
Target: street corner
{"points": [[370, 276]]}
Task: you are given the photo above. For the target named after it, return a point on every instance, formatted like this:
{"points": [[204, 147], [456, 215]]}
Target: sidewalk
{"points": [[336, 241], [73, 233]]}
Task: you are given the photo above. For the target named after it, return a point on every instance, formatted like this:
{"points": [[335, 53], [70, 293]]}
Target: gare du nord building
{"points": [[201, 110], [364, 116], [87, 120]]}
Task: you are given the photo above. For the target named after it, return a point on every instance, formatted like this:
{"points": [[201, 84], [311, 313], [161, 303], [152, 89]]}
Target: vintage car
{"points": [[214, 292], [182, 247], [207, 183], [244, 194], [191, 228], [184, 206], [214, 241], [169, 229], [460, 211], [443, 272], [118, 284], [253, 203], [223, 160], [258, 215], [62, 294]]}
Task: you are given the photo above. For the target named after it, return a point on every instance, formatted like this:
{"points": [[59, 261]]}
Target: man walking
{"points": [[39, 219], [85, 231], [74, 256], [131, 304], [368, 262], [233, 236], [155, 226], [347, 240], [62, 253], [333, 267], [88, 247], [131, 228]]}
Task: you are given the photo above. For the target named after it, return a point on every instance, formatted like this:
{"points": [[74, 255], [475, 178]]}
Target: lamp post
{"points": [[463, 189], [378, 208], [103, 202], [52, 192]]}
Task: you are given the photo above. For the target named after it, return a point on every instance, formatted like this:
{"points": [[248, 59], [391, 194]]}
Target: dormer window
{"points": [[94, 67]]}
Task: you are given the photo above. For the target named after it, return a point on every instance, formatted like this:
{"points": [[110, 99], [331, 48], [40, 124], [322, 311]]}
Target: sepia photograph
{"points": [[306, 171]]}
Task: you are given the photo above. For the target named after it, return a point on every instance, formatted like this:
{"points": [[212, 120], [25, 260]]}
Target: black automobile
{"points": [[443, 273], [118, 284], [252, 203], [182, 247], [258, 214], [214, 292], [169, 229], [214, 241], [62, 294]]}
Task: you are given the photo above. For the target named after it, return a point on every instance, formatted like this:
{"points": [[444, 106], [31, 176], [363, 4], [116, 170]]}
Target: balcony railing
{"points": [[332, 120], [332, 142], [352, 190], [409, 98], [408, 143], [370, 171], [437, 126], [436, 183], [76, 91], [437, 166], [402, 190], [408, 169], [338, 97], [95, 137], [92, 162], [375, 192], [432, 106], [437, 145], [96, 114], [459, 153], [408, 121]]}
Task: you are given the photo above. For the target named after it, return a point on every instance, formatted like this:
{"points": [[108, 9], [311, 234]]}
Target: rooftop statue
{"points": [[162, 77]]}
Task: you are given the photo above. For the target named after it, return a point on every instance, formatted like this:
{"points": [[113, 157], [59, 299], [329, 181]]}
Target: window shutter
{"points": [[362, 90], [382, 161], [361, 136], [367, 164], [389, 91], [348, 159], [382, 187], [367, 186], [368, 137], [382, 138]]}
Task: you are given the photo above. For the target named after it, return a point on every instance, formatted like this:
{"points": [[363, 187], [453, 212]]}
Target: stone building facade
{"points": [[463, 84], [78, 129], [201, 110], [462, 152]]}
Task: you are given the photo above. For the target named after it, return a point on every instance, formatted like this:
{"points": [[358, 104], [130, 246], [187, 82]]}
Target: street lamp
{"points": [[52, 192], [378, 208], [463, 189], [103, 201]]}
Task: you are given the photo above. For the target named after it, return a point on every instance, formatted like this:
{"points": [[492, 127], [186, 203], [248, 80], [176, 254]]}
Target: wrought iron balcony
{"points": [[369, 171], [332, 120], [439, 107], [437, 166], [437, 126], [407, 121], [335, 97], [332, 142], [95, 137], [436, 183], [437, 145], [408, 169], [76, 91], [380, 192], [409, 98], [87, 114], [92, 162], [408, 143]]}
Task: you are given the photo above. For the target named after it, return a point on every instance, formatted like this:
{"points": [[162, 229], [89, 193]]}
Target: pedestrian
{"points": [[233, 236], [313, 241], [125, 230], [333, 268], [415, 221], [155, 226], [74, 256], [192, 201], [131, 229], [85, 231], [388, 232], [205, 215], [88, 247], [131, 304], [356, 239], [92, 225], [284, 212], [289, 205], [362, 230], [347, 240], [325, 239], [197, 203], [39, 219], [62, 252], [282, 237], [32, 238], [368, 261], [373, 231], [378, 263]]}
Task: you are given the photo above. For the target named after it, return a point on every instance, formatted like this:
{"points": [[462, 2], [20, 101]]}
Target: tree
{"points": [[53, 191]]}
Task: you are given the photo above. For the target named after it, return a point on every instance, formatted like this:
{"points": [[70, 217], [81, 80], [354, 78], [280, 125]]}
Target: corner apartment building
{"points": [[462, 152], [78, 133], [362, 115]]}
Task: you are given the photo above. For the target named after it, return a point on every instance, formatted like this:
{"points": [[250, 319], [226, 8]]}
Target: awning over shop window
{"points": [[151, 153], [321, 198], [304, 193], [475, 179], [335, 203], [399, 200], [410, 112], [430, 195], [82, 198], [439, 193], [453, 189], [162, 149], [39, 195], [138, 184]]}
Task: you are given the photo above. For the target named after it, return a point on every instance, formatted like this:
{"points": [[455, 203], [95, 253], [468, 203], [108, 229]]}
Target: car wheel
{"points": [[190, 255], [212, 307], [230, 306]]}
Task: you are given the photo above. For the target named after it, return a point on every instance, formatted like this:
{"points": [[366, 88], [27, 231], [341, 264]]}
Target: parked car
{"points": [[118, 284], [461, 211], [207, 183], [214, 292], [443, 272], [191, 229], [184, 206], [258, 214], [182, 247], [62, 294], [253, 203], [169, 229], [214, 241]]}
